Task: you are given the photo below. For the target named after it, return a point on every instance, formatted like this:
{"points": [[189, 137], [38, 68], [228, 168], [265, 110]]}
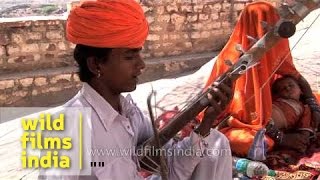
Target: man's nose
{"points": [[140, 64]]}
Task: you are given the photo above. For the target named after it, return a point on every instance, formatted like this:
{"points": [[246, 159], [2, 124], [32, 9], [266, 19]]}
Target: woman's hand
{"points": [[296, 141], [219, 99], [316, 120]]}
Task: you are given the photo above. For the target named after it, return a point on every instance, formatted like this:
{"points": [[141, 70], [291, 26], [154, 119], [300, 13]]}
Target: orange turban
{"points": [[108, 23]]}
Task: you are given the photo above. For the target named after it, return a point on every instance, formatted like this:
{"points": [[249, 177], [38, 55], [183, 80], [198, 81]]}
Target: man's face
{"points": [[289, 89], [120, 72]]}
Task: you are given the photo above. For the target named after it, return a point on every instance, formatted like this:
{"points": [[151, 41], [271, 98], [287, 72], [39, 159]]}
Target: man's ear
{"points": [[93, 65]]}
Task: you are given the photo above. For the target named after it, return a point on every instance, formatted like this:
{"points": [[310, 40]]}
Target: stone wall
{"points": [[37, 68]]}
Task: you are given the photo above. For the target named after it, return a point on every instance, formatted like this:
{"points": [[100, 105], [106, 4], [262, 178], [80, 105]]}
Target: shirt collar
{"points": [[104, 110]]}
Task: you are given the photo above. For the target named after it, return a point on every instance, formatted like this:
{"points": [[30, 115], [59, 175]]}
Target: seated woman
{"points": [[251, 106], [291, 119]]}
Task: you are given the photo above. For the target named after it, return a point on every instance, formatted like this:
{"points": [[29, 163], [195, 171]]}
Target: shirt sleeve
{"points": [[185, 157]]}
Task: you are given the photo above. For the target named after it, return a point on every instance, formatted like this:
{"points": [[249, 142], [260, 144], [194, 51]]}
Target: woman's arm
{"points": [[311, 101]]}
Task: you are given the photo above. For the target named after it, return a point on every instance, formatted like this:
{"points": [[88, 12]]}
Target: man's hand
{"points": [[219, 99]]}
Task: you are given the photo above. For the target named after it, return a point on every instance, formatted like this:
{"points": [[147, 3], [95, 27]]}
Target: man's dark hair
{"points": [[82, 53], [276, 83]]}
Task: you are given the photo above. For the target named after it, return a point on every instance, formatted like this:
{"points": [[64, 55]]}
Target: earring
{"points": [[99, 74]]}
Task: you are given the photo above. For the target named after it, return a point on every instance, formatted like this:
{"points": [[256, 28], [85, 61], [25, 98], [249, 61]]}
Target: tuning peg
{"points": [[265, 25], [239, 48], [228, 62], [252, 40]]}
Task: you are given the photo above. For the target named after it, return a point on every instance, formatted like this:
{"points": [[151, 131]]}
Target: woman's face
{"points": [[289, 89], [120, 72]]}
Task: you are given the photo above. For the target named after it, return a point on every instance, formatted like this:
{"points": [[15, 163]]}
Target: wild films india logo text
{"points": [[46, 134]]}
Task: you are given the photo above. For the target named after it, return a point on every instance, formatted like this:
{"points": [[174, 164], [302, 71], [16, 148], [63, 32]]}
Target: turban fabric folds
{"points": [[107, 24]]}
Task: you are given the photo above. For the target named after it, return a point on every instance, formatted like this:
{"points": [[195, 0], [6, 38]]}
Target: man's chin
{"points": [[130, 89]]}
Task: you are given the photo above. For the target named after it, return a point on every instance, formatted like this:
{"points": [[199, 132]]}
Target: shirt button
{"points": [[128, 127]]}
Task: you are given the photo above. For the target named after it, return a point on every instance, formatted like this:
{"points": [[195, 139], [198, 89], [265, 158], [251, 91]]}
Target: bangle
{"points": [[311, 101], [314, 107], [274, 133]]}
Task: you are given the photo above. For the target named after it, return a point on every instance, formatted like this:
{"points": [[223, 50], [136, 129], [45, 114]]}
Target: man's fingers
{"points": [[224, 88], [214, 104]]}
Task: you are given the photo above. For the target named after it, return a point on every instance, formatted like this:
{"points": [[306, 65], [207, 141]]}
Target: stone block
{"points": [[4, 39], [204, 17], [172, 8], [174, 53], [153, 37], [2, 51], [6, 84], [43, 47], [163, 18], [147, 9], [2, 60], [177, 19], [159, 10], [26, 82], [224, 16], [197, 26], [216, 25], [17, 38], [20, 94], [165, 37], [36, 57], [216, 7], [34, 36], [2, 97], [198, 8], [13, 49], [150, 19], [159, 54], [62, 46], [167, 44], [192, 17], [34, 92], [239, 6], [214, 16], [154, 46], [226, 6], [71, 45], [225, 24], [205, 34], [29, 48], [55, 35], [61, 77], [186, 9], [188, 45], [156, 28], [174, 36], [76, 77], [38, 28], [195, 35], [40, 81]]}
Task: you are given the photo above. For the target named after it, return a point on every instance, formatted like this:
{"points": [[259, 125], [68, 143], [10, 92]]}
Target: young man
{"points": [[109, 36]]}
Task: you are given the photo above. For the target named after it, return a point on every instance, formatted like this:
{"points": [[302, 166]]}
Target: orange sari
{"points": [[251, 105]]}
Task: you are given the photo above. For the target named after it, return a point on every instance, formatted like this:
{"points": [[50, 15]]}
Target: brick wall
{"points": [[37, 68]]}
